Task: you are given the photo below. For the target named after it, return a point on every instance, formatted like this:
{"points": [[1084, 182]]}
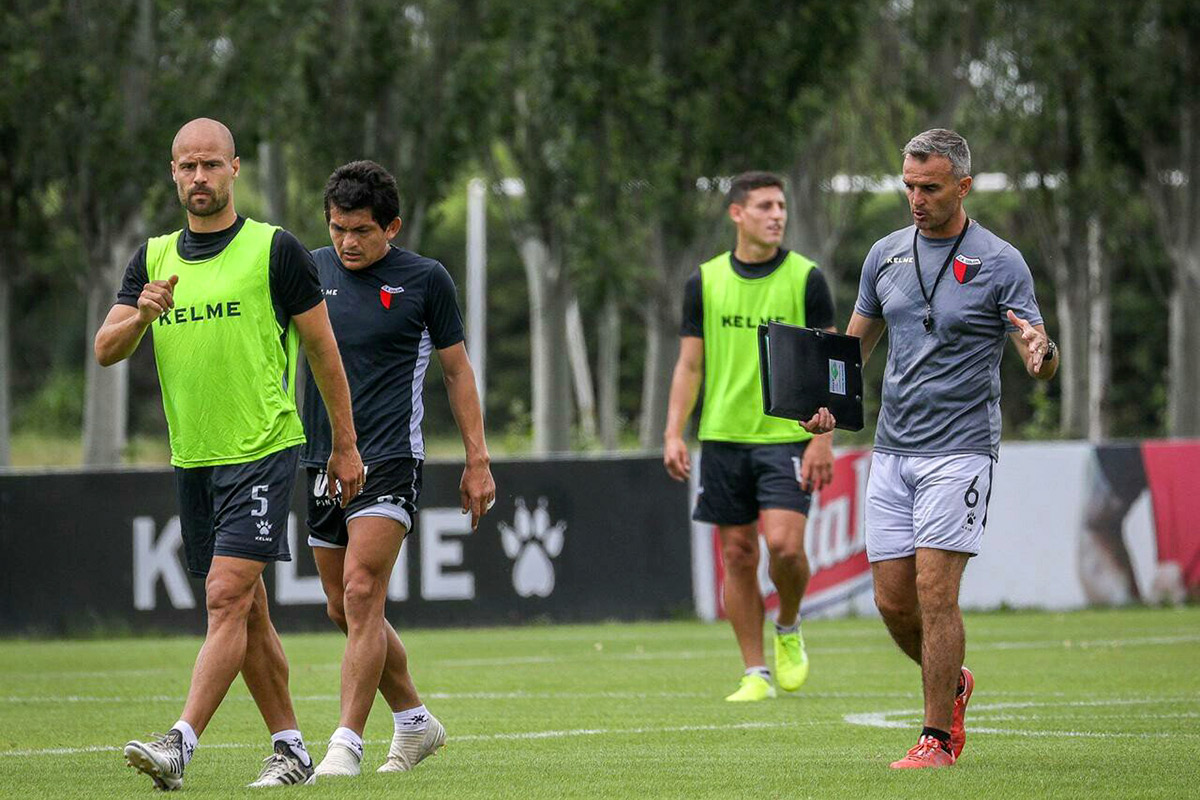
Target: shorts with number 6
{"points": [[238, 510], [938, 502]]}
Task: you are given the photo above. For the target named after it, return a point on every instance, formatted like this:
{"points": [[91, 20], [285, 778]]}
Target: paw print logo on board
{"points": [[531, 541]]}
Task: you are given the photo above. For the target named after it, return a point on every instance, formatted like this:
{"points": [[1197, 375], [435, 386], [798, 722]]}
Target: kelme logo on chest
{"points": [[181, 315], [748, 321], [386, 293]]}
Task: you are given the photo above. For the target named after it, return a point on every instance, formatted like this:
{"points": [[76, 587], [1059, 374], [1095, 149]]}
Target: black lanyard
{"points": [[928, 320]]}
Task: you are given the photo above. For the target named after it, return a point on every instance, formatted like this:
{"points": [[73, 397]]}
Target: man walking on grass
{"points": [[226, 299], [753, 468], [948, 290]]}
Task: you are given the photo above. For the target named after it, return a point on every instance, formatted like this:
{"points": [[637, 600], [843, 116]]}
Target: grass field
{"points": [[1089, 704]]}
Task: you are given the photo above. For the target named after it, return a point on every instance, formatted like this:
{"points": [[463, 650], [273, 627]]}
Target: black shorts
{"points": [[238, 510], [392, 490], [738, 480]]}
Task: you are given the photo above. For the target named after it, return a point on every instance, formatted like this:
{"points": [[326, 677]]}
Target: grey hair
{"points": [[942, 142]]}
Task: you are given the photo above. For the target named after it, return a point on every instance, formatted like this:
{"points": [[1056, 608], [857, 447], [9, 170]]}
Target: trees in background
{"points": [[1039, 101], [1150, 58], [621, 120], [107, 130]]}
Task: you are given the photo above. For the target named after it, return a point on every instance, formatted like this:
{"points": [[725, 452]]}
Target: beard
{"points": [[217, 202]]}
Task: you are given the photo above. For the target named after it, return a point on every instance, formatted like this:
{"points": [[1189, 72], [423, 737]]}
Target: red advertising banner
{"points": [[1173, 477]]}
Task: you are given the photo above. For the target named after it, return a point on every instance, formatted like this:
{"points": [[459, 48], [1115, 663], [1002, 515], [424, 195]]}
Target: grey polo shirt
{"points": [[941, 390]]}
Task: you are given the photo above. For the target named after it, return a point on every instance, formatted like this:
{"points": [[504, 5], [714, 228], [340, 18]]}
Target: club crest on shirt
{"points": [[386, 293], [966, 268]]}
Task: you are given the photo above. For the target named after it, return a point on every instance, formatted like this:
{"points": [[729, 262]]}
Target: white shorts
{"points": [[939, 502]]}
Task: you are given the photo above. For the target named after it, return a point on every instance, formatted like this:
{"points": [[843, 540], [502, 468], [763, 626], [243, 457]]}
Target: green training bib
{"points": [[734, 307], [226, 367]]}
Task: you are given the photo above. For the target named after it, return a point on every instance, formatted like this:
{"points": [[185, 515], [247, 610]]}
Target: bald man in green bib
{"points": [[227, 301], [755, 471]]}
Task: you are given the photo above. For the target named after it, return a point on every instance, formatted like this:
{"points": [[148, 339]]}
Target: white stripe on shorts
{"points": [[315, 542], [389, 510]]}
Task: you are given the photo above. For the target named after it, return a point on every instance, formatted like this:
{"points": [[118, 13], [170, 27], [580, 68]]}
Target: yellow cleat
{"points": [[791, 662], [750, 689]]}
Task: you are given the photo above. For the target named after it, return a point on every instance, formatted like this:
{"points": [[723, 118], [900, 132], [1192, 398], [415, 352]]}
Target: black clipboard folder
{"points": [[803, 369]]}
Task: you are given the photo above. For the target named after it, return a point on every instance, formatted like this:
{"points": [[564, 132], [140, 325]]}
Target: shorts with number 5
{"points": [[938, 502], [238, 510]]}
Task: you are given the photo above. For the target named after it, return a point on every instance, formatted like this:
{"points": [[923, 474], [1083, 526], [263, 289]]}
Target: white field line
{"points": [[475, 737], [986, 717], [908, 718], [448, 696], [727, 652], [542, 634], [816, 650]]}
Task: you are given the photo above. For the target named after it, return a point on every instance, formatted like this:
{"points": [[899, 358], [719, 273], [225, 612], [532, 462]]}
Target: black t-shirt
{"points": [[388, 318], [293, 276], [818, 300]]}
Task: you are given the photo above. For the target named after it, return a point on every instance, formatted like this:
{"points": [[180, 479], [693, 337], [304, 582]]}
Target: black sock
{"points": [[940, 735]]}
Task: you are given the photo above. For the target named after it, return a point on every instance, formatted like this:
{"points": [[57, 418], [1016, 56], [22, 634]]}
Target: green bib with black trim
{"points": [[227, 369], [734, 307]]}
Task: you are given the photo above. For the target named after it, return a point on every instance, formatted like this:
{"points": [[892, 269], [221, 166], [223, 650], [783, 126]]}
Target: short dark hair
{"points": [[747, 182], [363, 184], [942, 142]]}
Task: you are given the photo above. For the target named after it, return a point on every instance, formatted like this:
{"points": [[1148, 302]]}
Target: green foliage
{"points": [[56, 407], [612, 113]]}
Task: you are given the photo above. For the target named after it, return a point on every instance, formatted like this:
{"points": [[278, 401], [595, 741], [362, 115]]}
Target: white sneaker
{"points": [[282, 768], [340, 761], [161, 759], [410, 748]]}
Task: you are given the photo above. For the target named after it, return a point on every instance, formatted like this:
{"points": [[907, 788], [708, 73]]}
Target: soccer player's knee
{"points": [[788, 549], [361, 592], [228, 598], [739, 555], [336, 611], [937, 591], [893, 608], [259, 615]]}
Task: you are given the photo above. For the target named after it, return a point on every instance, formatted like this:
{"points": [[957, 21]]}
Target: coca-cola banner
{"points": [[1069, 525]]}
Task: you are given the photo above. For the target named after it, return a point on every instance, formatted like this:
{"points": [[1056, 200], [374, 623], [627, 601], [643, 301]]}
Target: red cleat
{"points": [[958, 725], [929, 752]]}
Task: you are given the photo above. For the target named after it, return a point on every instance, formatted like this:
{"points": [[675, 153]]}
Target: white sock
{"points": [[350, 739], [190, 739], [781, 630], [295, 743], [411, 719], [761, 672]]}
